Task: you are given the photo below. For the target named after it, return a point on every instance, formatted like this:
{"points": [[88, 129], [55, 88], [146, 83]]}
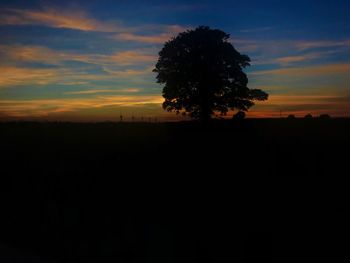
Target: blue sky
{"points": [[92, 60]]}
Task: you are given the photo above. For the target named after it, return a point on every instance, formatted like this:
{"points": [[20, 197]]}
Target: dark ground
{"points": [[243, 191]]}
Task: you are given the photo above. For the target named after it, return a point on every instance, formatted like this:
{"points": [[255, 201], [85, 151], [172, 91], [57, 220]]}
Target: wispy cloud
{"points": [[288, 99], [310, 56], [116, 65], [58, 18], [18, 76], [167, 32], [149, 39], [20, 53], [79, 19], [12, 76], [308, 71], [302, 45], [292, 59], [265, 51], [15, 76], [45, 107], [75, 83], [128, 90], [128, 72], [132, 57], [156, 39]]}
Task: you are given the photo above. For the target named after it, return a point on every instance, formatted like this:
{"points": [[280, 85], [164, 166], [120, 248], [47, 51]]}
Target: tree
{"points": [[308, 116], [291, 116], [203, 74]]}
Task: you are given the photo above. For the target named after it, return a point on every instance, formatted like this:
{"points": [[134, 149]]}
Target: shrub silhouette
{"points": [[239, 115], [291, 116], [325, 116], [203, 74], [308, 116]]}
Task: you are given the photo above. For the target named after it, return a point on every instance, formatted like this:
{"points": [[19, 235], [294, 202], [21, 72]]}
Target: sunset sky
{"points": [[93, 60]]}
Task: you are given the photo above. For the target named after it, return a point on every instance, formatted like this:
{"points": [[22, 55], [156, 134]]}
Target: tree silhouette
{"points": [[239, 115], [308, 116], [291, 116], [203, 74], [325, 116]]}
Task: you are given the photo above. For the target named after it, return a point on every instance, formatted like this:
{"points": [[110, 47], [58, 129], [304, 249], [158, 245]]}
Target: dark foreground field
{"points": [[173, 192]]}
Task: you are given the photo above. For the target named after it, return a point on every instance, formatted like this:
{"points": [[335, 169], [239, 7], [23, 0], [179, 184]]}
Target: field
{"points": [[170, 192]]}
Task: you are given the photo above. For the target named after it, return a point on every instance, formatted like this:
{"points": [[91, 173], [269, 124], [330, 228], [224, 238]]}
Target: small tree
{"points": [[291, 116], [203, 74], [308, 116]]}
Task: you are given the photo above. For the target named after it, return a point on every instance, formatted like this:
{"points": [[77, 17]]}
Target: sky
{"points": [[93, 60]]}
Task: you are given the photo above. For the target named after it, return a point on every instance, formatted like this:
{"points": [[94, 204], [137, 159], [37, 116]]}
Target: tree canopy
{"points": [[203, 74]]}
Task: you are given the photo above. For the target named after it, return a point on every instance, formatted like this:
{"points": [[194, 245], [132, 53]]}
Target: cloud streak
{"points": [[45, 107], [132, 57], [20, 53], [155, 39], [128, 90], [12, 76], [303, 45], [15, 71], [316, 70], [168, 32], [52, 17], [78, 19]]}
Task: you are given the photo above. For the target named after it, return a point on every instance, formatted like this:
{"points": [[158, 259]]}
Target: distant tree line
{"points": [[309, 116]]}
